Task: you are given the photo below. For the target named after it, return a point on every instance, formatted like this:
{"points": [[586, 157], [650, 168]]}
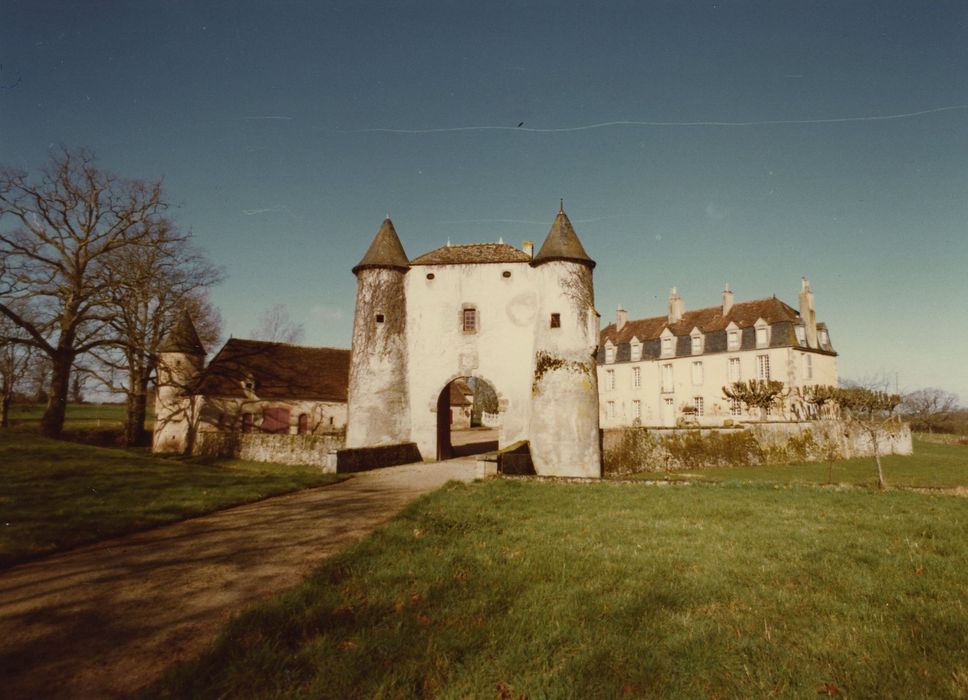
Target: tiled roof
{"points": [[460, 393], [562, 243], [278, 370], [472, 253], [744, 314], [183, 338], [385, 250]]}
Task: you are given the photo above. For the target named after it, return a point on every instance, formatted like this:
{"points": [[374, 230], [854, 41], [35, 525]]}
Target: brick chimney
{"points": [[528, 247], [727, 299], [676, 306], [621, 318], [807, 314]]}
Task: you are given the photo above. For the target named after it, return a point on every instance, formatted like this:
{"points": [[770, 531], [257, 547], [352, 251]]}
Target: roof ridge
{"points": [[290, 345]]}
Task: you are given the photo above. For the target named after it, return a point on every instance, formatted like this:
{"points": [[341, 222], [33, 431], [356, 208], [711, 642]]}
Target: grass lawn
{"points": [[55, 495], [78, 415], [933, 465], [520, 588]]}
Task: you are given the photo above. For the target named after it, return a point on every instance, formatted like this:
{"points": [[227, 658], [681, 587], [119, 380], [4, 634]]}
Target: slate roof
{"points": [[385, 250], [279, 371], [562, 243], [744, 314], [183, 338], [473, 253]]}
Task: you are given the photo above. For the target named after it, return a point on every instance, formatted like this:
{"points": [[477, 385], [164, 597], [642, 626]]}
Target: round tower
{"points": [[181, 358], [564, 433], [377, 406]]}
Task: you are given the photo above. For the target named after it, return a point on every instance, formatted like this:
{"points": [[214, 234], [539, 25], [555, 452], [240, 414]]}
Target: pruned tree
{"points": [[820, 398], [873, 411], [57, 234], [928, 409], [276, 326], [760, 394], [150, 285]]}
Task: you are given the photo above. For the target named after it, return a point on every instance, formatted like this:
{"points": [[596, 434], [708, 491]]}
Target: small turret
{"points": [[562, 243], [378, 408], [181, 357]]}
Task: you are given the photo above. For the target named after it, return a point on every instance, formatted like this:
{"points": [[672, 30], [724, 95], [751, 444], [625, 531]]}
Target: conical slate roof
{"points": [[183, 338], [385, 251], [562, 243]]}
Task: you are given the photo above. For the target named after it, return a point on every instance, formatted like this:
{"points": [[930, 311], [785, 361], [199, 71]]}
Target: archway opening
{"points": [[468, 421]]}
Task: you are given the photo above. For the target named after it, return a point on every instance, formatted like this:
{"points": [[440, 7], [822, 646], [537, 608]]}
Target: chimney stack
{"points": [[621, 318], [528, 247], [807, 314], [727, 299], [676, 306]]}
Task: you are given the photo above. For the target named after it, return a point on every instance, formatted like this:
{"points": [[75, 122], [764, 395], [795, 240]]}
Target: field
{"points": [[55, 495], [537, 589], [80, 416], [933, 465]]}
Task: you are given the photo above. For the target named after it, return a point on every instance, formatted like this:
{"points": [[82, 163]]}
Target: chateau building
{"points": [[669, 370]]}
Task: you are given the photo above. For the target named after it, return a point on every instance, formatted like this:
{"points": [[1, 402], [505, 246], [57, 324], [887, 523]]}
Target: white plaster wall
{"points": [[500, 352], [175, 412], [319, 412]]}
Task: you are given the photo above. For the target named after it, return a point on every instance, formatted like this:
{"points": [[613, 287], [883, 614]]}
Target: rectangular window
{"points": [[761, 337], [636, 351], [380, 318], [637, 410], [732, 340], [470, 320], [697, 345], [667, 378], [609, 379], [609, 354], [808, 366], [699, 404], [801, 335], [822, 336], [246, 422], [735, 407], [275, 420], [611, 410], [762, 366], [697, 373], [556, 320], [636, 377], [734, 375], [666, 347]]}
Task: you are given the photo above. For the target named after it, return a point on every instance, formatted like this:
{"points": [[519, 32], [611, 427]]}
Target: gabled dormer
{"points": [[610, 348], [762, 333], [697, 341], [667, 343], [635, 349], [734, 337]]}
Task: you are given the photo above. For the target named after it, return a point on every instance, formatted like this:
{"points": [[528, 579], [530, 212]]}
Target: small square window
{"points": [[556, 320], [380, 318], [470, 320]]}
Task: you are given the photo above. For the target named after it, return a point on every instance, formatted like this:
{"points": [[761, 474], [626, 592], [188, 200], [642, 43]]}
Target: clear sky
{"points": [[775, 139]]}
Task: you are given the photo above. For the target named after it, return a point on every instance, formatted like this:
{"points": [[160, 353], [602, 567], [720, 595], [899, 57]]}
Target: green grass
{"points": [[78, 416], [55, 495], [521, 588], [933, 465]]}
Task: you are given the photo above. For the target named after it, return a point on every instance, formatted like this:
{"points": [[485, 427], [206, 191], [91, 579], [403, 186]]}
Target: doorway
{"points": [[468, 421]]}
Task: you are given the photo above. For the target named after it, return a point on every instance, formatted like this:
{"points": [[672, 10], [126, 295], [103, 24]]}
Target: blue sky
{"points": [[261, 119]]}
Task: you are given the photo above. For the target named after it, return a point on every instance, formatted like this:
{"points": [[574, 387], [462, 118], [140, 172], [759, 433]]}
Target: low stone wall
{"points": [[269, 447], [361, 459], [628, 450]]}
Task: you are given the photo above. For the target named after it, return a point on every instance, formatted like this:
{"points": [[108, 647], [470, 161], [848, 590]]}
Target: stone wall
{"points": [[317, 449]]}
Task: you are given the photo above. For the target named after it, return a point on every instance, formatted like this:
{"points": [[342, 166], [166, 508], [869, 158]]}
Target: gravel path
{"points": [[105, 620]]}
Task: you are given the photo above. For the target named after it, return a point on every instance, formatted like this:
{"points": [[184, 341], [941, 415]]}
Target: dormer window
{"points": [[762, 334], [801, 335], [635, 350], [668, 343], [823, 337], [609, 352], [732, 337], [696, 340]]}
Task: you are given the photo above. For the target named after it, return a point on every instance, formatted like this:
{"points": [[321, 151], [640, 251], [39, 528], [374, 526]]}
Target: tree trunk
{"points": [[5, 411], [52, 423], [881, 484], [134, 428]]}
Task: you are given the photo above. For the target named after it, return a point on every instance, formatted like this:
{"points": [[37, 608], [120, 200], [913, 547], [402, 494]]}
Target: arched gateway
{"points": [[526, 324]]}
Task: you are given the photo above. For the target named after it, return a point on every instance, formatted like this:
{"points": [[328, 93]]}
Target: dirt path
{"points": [[105, 620]]}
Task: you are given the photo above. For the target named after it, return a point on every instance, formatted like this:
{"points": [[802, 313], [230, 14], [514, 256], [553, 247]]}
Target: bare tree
{"points": [[276, 326], [871, 410], [53, 282], [151, 284], [929, 408], [761, 394], [15, 364]]}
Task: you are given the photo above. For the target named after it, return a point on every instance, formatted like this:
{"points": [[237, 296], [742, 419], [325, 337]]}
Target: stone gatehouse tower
{"points": [[524, 323]]}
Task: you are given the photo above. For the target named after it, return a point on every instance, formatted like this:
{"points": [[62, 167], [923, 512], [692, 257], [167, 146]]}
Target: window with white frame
{"points": [[636, 377], [801, 335], [667, 377], [762, 336], [822, 337], [697, 373], [609, 379], [735, 407], [667, 347], [636, 410], [734, 373], [808, 366], [762, 366], [635, 350], [732, 339], [699, 404], [609, 353], [696, 344]]}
